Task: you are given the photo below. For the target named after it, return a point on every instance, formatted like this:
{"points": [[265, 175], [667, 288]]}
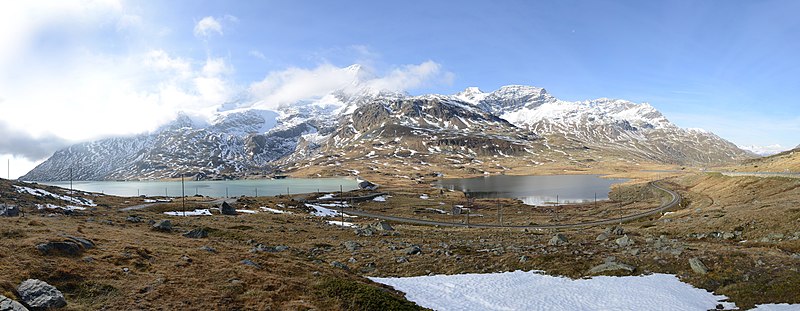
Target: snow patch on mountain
{"points": [[765, 150]]}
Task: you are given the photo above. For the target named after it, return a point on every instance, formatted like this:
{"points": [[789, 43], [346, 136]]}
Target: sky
{"points": [[73, 71]]}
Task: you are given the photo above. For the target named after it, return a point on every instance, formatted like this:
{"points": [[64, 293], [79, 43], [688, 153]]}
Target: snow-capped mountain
{"points": [[765, 150], [514, 120]]}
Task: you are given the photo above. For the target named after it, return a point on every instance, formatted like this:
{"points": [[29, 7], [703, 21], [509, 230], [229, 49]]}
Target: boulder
{"points": [[7, 304], [615, 230], [85, 243], [382, 226], [602, 237], [269, 249], [9, 210], [412, 250], [698, 266], [610, 264], [63, 248], [352, 246], [196, 233], [227, 209], [340, 265], [40, 295], [163, 225], [248, 262], [133, 219], [624, 241], [558, 240]]}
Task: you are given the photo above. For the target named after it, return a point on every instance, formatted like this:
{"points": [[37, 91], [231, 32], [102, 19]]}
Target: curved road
{"points": [[676, 198]]}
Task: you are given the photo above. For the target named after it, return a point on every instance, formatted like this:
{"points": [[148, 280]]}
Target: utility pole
{"points": [[183, 195]]}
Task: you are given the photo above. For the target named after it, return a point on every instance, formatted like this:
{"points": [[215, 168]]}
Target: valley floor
{"points": [[745, 232]]}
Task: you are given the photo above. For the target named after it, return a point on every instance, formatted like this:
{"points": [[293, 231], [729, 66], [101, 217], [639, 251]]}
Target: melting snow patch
{"points": [[777, 307], [42, 192], [197, 212], [341, 223], [424, 197], [66, 208], [521, 290], [246, 211], [326, 197], [322, 211], [379, 199], [274, 211]]}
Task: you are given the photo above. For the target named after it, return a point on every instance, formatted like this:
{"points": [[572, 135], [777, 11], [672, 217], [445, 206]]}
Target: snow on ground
{"points": [[66, 208], [777, 307], [520, 290], [322, 211], [42, 192], [197, 212], [380, 199], [341, 223], [246, 211], [424, 197], [274, 211], [149, 201], [326, 197]]}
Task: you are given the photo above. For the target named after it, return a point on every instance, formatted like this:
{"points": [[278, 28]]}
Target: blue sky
{"points": [[730, 67]]}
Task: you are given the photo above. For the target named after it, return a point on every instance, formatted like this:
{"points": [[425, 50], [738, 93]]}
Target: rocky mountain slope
{"points": [[513, 121]]}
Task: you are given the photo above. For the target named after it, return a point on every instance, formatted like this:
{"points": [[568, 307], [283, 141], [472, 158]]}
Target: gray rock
{"points": [[208, 249], [164, 226], [615, 230], [558, 240], [624, 241], [133, 219], [38, 294], [85, 243], [227, 209], [340, 265], [412, 250], [364, 232], [352, 246], [196, 233], [602, 237], [268, 249], [7, 304], [64, 248], [382, 226], [9, 210], [248, 262], [523, 259], [611, 266], [728, 235], [698, 266], [401, 260]]}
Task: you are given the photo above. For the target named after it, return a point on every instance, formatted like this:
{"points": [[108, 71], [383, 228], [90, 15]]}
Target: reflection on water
{"points": [[213, 188], [535, 190]]}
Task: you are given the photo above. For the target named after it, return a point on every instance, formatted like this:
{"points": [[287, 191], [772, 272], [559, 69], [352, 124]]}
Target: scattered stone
{"points": [[698, 266], [558, 240], [208, 249], [795, 256], [249, 262], [196, 233], [133, 219], [369, 268], [615, 230], [728, 235], [523, 259], [340, 265], [65, 248], [602, 237], [88, 259], [227, 209], [7, 304], [611, 265], [352, 260], [9, 210], [268, 249], [401, 260], [40, 295], [163, 225], [364, 232], [412, 250], [624, 241], [352, 246]]}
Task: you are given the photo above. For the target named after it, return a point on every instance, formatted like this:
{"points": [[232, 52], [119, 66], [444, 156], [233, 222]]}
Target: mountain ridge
{"points": [[512, 120]]}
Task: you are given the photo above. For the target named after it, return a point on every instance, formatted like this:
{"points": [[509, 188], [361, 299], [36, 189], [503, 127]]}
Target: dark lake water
{"points": [[535, 190], [215, 188]]}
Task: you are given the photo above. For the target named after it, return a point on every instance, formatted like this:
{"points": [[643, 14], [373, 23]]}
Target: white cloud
{"points": [[257, 54], [296, 84], [207, 26]]}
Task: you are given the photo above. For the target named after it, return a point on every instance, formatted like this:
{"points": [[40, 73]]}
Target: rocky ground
{"points": [[737, 236]]}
